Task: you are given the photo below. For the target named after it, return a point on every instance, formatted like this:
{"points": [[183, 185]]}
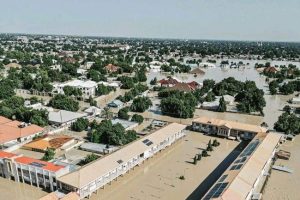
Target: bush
{"points": [[204, 153], [137, 118], [80, 124], [49, 154], [123, 113], [181, 177], [215, 143]]}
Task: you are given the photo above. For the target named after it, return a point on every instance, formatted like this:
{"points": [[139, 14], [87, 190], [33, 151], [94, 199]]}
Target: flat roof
{"points": [[38, 163], [11, 130], [63, 116], [232, 124], [54, 142], [237, 181], [125, 123], [102, 166]]}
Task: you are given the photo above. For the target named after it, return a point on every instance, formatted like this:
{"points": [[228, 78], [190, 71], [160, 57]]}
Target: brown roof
{"points": [[11, 130], [197, 71], [111, 68], [270, 70], [233, 124], [44, 143], [184, 87], [169, 81]]}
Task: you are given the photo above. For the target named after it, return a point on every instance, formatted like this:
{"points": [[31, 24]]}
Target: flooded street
{"points": [[274, 104], [158, 177], [11, 190]]}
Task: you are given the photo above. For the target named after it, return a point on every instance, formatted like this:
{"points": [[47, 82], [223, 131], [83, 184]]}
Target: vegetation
{"points": [[64, 102], [49, 154], [107, 133], [80, 124], [103, 90], [123, 113], [222, 105], [89, 158], [288, 123], [140, 104], [137, 118], [72, 91]]}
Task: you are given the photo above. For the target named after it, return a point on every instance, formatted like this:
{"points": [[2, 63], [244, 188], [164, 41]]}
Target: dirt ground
{"points": [[281, 185], [158, 177]]}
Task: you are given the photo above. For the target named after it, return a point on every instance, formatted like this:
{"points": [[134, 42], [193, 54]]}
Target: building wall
{"points": [[122, 168]]}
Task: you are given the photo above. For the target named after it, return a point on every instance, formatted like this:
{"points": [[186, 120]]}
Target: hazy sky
{"points": [[272, 20]]}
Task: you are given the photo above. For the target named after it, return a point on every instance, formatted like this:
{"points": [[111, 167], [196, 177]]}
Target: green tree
{"points": [[288, 123], [89, 158], [137, 118], [140, 104], [222, 105], [80, 124], [49, 154], [63, 102], [123, 113]]}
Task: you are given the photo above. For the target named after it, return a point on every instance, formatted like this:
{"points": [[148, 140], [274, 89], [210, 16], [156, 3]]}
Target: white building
{"points": [[29, 170], [90, 178], [88, 88]]}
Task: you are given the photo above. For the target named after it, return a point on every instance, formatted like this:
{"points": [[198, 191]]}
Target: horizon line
{"points": [[154, 38]]}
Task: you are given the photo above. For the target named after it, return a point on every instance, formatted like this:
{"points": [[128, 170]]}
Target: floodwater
{"points": [[283, 185], [274, 104], [11, 190], [158, 177]]}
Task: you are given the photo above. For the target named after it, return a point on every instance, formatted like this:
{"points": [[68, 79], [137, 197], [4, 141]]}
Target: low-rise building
{"points": [[88, 88], [128, 125], [29, 170], [244, 177], [228, 129], [64, 117], [90, 178], [116, 104], [15, 131]]}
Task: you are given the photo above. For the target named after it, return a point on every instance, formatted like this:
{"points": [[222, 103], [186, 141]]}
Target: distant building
{"points": [[93, 111], [270, 69], [88, 88], [64, 117], [197, 71], [111, 68], [32, 171], [296, 100], [98, 148]]}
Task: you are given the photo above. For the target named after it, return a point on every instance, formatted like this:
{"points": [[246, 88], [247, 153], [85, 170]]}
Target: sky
{"points": [[259, 20]]}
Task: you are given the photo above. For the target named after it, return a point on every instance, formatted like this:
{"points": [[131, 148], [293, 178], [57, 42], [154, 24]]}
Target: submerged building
{"points": [[29, 170], [224, 128], [244, 177], [97, 174]]}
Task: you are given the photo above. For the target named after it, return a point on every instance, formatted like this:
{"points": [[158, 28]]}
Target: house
{"points": [[170, 82], [244, 177], [116, 104], [184, 87], [271, 70], [29, 170], [56, 142], [110, 68], [128, 125], [229, 100], [207, 65], [89, 178], [88, 88], [197, 71], [12, 131], [93, 111], [224, 128], [64, 117], [296, 100]]}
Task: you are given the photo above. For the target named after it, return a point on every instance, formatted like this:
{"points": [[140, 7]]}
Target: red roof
{"points": [[193, 84], [4, 154], [11, 130], [44, 165], [168, 81]]}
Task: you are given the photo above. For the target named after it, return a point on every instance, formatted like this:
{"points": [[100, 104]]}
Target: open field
{"points": [[281, 185], [158, 178]]}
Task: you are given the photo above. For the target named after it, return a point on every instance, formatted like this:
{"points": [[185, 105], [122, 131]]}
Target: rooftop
{"points": [[63, 116], [12, 130], [94, 170], [232, 124]]}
